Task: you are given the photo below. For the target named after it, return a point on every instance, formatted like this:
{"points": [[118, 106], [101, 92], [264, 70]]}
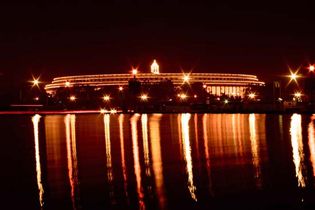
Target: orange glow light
{"points": [[182, 96], [72, 98]]}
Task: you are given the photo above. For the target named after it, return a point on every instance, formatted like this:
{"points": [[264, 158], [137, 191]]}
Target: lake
{"points": [[157, 161]]}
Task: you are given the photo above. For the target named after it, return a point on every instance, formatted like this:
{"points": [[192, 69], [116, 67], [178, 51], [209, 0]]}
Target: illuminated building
{"points": [[217, 84]]}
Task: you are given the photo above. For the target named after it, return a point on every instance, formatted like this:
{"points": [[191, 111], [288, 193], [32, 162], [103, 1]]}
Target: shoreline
{"points": [[92, 111]]}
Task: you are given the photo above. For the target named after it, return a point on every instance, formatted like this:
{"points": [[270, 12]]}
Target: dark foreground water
{"points": [[155, 161]]}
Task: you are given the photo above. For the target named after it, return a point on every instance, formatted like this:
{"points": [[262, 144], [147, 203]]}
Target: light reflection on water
{"points": [[134, 135], [297, 148], [108, 155], [72, 158], [144, 126], [187, 155], [254, 139], [311, 141], [35, 120], [232, 148], [157, 162]]}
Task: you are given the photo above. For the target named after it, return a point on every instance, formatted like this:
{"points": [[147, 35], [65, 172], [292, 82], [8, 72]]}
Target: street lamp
{"points": [[297, 96], [186, 78], [134, 72], [311, 68], [293, 76], [35, 82], [72, 98], [182, 96], [106, 98], [144, 97], [252, 95]]}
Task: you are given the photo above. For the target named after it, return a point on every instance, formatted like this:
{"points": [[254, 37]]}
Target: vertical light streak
{"points": [[72, 157], [108, 152], [122, 152], [179, 128], [69, 156], [240, 137], [234, 133], [35, 120], [187, 154], [134, 135], [157, 164], [311, 142], [144, 125], [196, 135], [255, 149], [206, 148], [297, 148]]}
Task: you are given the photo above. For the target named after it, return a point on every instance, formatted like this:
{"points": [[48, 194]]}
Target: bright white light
{"points": [[226, 101], [103, 111], [67, 84], [106, 98], [298, 94], [186, 78], [35, 81], [113, 111], [293, 76], [134, 71], [120, 88], [144, 97], [252, 95]]}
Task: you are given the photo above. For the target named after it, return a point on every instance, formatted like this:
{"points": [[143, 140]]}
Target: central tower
{"points": [[155, 67]]}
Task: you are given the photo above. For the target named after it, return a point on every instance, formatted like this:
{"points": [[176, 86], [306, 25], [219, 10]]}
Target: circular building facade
{"points": [[215, 83]]}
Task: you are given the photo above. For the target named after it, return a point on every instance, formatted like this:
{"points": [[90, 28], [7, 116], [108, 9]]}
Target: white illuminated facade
{"points": [[155, 68]]}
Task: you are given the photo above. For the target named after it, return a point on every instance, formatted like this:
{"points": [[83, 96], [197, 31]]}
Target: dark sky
{"points": [[56, 38]]}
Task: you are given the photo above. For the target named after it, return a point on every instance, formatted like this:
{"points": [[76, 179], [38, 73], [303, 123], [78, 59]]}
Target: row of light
{"points": [[186, 77], [36, 82], [105, 111], [145, 97]]}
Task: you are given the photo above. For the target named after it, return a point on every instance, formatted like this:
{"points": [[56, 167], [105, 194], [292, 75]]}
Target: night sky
{"points": [[57, 38]]}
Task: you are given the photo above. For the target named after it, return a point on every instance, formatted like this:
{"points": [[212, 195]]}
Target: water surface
{"points": [[157, 161]]}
